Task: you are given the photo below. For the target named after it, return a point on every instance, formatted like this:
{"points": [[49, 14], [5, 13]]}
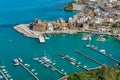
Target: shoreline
{"points": [[24, 29]]}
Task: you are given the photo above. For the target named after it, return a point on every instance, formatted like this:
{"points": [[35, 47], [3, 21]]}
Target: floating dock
{"points": [[77, 51], [36, 78], [110, 57], [4, 76], [19, 62], [50, 65], [77, 64]]}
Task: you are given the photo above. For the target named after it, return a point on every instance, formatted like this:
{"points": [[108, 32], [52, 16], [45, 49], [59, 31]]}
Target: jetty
{"points": [[73, 61], [77, 51], [48, 63], [4, 76], [19, 62], [103, 53], [4, 73]]}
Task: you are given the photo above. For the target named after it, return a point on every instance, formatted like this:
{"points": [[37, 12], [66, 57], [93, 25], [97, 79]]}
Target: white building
{"points": [[50, 27]]}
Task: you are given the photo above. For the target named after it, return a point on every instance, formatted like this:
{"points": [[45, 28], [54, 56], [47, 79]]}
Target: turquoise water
{"points": [[14, 44]]}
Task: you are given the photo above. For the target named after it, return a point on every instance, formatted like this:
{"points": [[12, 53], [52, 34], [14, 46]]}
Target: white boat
{"points": [[1, 76], [33, 70], [85, 66], [41, 39], [2, 66], [102, 51], [47, 37], [46, 65], [16, 61], [101, 38], [86, 37], [53, 69], [35, 58], [88, 45], [72, 63], [20, 59]]}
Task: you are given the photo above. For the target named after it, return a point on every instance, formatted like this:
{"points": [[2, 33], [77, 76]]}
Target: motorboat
{"points": [[102, 51]]}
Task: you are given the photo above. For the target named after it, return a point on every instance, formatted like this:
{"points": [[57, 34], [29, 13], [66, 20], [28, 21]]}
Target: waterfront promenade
{"points": [[24, 29]]}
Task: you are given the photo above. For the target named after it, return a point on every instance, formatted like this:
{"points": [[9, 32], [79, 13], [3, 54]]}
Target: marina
{"points": [[101, 51], [4, 73], [49, 63], [72, 61], [77, 51], [18, 62]]}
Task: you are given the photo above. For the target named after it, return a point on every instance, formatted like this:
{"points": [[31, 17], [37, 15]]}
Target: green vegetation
{"points": [[115, 25], [105, 73], [115, 7], [69, 7]]}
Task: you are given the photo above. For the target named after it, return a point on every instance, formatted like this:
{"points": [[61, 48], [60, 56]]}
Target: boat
{"points": [[53, 69], [41, 39], [86, 37], [1, 76], [11, 79], [88, 45], [27, 65], [53, 63], [46, 65], [47, 37], [35, 58], [62, 70], [85, 66], [20, 60], [102, 51], [16, 61], [101, 38], [36, 73], [2, 66], [33, 70], [72, 63]]}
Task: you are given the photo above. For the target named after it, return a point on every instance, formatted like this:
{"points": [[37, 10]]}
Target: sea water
{"points": [[14, 45]]}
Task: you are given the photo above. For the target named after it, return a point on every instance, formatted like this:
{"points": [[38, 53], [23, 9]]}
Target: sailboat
{"points": [[3, 65], [101, 38]]}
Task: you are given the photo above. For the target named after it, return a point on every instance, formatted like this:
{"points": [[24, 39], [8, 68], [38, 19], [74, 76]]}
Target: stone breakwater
{"points": [[24, 29]]}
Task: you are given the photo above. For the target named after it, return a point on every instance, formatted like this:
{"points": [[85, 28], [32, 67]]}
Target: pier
{"points": [[19, 62], [4, 73], [108, 56], [50, 65], [73, 61], [77, 51], [4, 76]]}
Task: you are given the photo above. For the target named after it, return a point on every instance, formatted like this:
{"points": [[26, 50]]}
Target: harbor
{"points": [[72, 61], [18, 62], [99, 63], [48, 63], [103, 52]]}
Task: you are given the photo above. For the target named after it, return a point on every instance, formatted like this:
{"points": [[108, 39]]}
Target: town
{"points": [[96, 16]]}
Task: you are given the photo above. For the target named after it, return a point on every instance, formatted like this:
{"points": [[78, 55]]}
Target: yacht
{"points": [[101, 38], [16, 61]]}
